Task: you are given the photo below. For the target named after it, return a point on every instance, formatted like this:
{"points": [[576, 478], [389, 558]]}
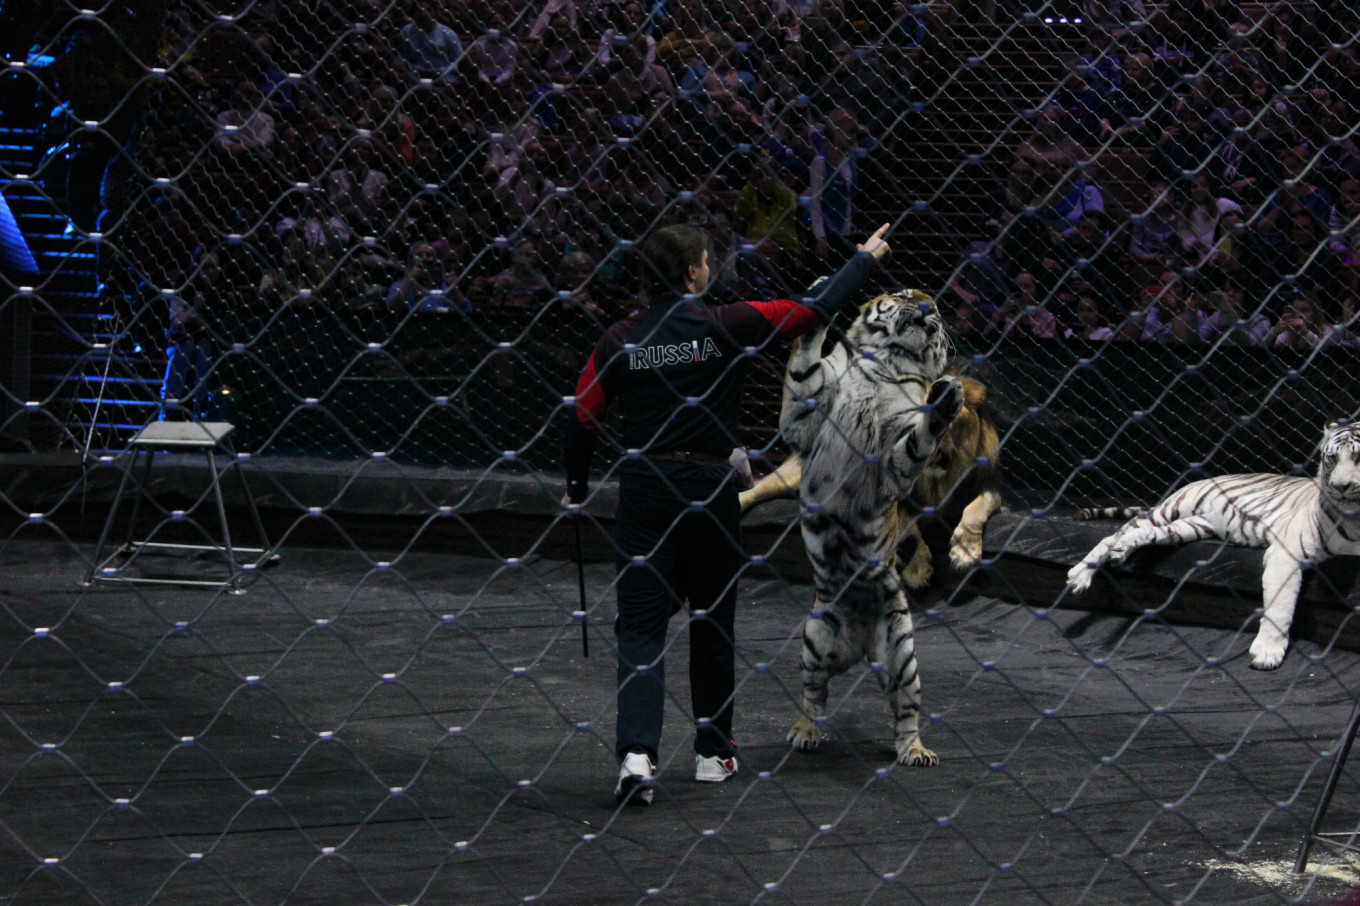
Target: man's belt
{"points": [[686, 456]]}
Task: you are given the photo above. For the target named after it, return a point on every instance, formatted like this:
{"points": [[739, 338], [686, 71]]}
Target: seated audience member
{"points": [[1225, 261], [1016, 192], [1343, 225], [1102, 63], [965, 322], [1090, 256], [1091, 323], [576, 278], [1173, 50], [1226, 317], [636, 197], [495, 56], [1346, 332], [1300, 327], [625, 23], [245, 131], [688, 40], [1131, 111], [766, 212], [189, 352], [905, 28], [1338, 153], [833, 180], [1304, 242], [558, 14], [423, 287], [355, 291], [1155, 240], [358, 190], [523, 189], [1022, 314], [561, 56], [1086, 109], [521, 286], [429, 47], [637, 90], [1301, 186], [1198, 225], [1185, 145], [1169, 315], [297, 280], [979, 281], [1049, 144], [1083, 198], [325, 233]]}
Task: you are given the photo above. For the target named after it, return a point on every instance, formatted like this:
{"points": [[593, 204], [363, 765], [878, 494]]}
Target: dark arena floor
{"points": [[425, 729]]}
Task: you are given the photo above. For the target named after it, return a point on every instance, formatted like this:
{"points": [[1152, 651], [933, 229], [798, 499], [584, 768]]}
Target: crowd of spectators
{"points": [[1240, 120], [487, 157]]}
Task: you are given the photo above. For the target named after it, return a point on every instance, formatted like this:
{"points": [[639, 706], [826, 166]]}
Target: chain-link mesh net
{"points": [[380, 238]]}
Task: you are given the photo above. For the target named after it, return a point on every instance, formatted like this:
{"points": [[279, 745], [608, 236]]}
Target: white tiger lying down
{"points": [[1299, 521], [863, 433]]}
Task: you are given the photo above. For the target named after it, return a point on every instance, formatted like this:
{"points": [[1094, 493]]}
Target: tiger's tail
{"points": [[1109, 512]]}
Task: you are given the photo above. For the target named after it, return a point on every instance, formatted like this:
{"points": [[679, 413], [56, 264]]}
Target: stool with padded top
{"points": [[208, 438]]}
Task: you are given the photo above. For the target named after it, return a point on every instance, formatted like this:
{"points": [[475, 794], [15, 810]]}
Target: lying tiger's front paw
{"points": [[1079, 578], [1267, 654]]}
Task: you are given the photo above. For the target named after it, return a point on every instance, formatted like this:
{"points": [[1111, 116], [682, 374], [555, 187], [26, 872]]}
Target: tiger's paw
{"points": [[805, 735], [965, 548], [916, 754], [1079, 577], [1267, 654], [946, 398]]}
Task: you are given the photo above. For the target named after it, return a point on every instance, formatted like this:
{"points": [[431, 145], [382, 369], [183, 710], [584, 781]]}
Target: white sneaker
{"points": [[712, 769], [637, 777]]}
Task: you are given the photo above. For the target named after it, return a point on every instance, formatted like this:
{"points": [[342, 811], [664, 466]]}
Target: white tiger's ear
{"points": [[1333, 429]]}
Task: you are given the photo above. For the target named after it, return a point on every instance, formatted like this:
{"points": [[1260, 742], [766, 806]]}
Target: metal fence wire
{"points": [[379, 238]]}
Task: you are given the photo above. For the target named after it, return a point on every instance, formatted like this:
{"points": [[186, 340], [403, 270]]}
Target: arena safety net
{"points": [[380, 238]]}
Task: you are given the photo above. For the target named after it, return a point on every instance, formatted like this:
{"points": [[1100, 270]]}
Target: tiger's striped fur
{"points": [[864, 426], [1109, 512], [959, 484], [1299, 521]]}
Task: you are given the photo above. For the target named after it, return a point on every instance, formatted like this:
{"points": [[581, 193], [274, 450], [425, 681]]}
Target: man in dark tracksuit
{"points": [[676, 369]]}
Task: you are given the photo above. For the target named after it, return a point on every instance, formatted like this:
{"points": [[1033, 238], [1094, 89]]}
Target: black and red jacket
{"points": [[677, 369]]}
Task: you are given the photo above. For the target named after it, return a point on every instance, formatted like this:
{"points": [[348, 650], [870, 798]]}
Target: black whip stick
{"points": [[581, 580]]}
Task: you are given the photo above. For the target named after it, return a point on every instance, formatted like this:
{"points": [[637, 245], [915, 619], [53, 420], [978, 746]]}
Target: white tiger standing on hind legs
{"points": [[1299, 521], [864, 426]]}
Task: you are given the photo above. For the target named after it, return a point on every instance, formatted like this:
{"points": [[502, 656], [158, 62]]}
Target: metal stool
{"points": [[1312, 835], [204, 437]]}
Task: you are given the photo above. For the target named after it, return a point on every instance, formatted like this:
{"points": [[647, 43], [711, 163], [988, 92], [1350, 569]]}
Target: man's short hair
{"points": [[671, 252]]}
